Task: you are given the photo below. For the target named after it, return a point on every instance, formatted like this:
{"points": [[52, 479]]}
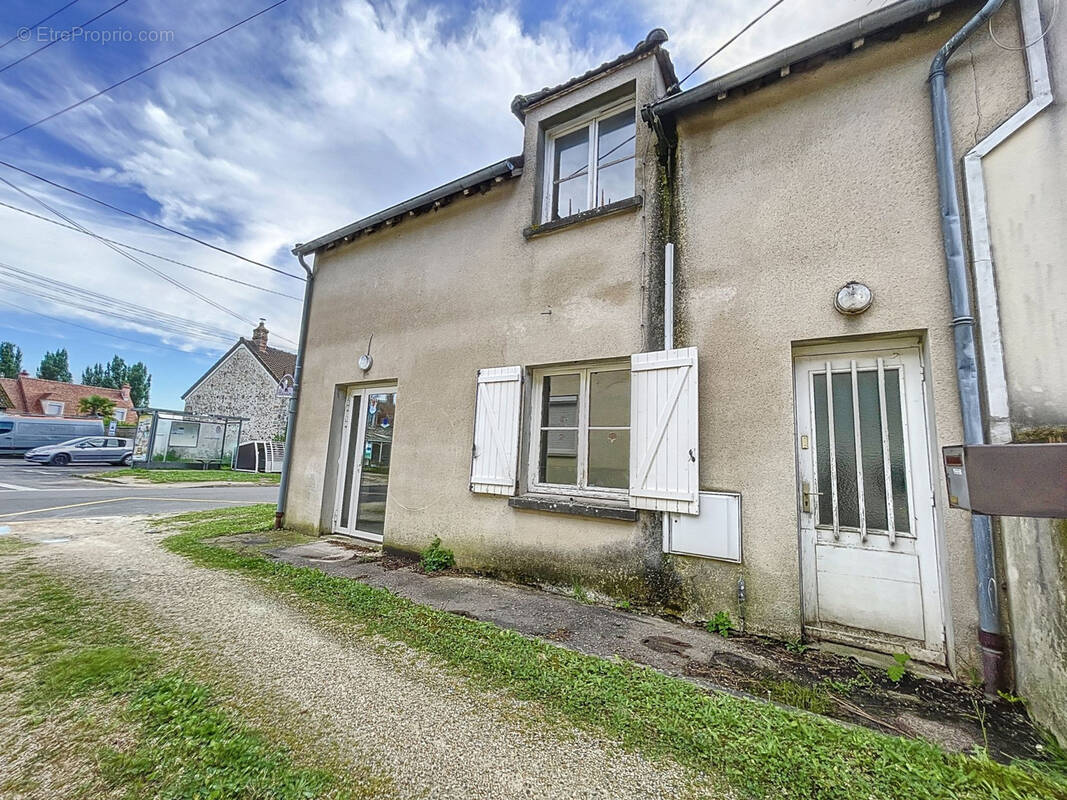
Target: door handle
{"points": [[805, 496]]}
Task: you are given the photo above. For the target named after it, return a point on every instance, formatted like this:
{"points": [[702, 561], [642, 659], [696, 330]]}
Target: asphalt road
{"points": [[33, 491]]}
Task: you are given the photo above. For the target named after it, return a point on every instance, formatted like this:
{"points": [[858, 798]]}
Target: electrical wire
{"points": [[87, 328], [88, 300], [37, 24], [153, 223], [139, 73], [58, 39], [1027, 45], [724, 45], [173, 281], [149, 252]]}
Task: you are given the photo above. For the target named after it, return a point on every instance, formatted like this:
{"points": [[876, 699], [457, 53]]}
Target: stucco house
{"points": [[696, 349], [244, 382], [26, 395]]}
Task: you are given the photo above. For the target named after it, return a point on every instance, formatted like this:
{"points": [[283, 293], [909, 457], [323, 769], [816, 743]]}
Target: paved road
{"points": [[32, 491]]}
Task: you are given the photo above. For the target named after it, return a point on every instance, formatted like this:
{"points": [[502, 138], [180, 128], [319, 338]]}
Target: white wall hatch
{"points": [[714, 533]]}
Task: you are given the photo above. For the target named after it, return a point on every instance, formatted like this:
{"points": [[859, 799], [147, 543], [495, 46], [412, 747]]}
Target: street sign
{"points": [[111, 426], [286, 386]]}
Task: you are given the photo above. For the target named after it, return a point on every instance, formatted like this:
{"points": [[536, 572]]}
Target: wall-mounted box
{"points": [[713, 533], [1008, 480]]}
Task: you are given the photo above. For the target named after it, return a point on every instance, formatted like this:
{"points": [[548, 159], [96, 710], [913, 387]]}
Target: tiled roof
{"points": [[650, 44], [27, 394], [278, 362]]}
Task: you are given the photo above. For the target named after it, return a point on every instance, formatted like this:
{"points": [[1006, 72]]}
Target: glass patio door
{"points": [[364, 462]]}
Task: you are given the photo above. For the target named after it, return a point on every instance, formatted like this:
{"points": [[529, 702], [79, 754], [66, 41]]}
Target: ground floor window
{"points": [[580, 429]]}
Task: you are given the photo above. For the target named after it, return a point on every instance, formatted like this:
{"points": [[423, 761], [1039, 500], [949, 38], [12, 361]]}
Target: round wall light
{"points": [[365, 362], [853, 298]]}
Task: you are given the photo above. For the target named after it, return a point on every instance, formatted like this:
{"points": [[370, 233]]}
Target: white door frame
{"points": [[356, 399], [926, 539]]}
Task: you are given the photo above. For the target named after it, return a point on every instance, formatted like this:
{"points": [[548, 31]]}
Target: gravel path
{"points": [[432, 732]]}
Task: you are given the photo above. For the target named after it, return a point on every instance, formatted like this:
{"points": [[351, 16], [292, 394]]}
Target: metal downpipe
{"points": [[290, 425], [990, 637]]}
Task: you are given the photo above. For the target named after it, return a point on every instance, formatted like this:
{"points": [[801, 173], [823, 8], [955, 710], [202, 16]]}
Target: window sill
{"points": [[534, 231], [575, 507]]}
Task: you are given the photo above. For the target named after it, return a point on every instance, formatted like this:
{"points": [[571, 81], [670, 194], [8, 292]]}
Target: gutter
{"points": [[990, 637], [494, 173], [847, 37], [290, 425], [985, 286]]}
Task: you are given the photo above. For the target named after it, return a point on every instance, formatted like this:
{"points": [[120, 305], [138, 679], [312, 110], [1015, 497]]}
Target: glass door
{"points": [[364, 461]]}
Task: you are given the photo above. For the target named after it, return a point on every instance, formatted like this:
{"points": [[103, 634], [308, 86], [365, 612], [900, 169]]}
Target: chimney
{"points": [[126, 392], [259, 336], [24, 374]]}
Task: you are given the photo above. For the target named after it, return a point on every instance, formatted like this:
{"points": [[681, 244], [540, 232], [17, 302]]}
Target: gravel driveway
{"points": [[379, 704]]}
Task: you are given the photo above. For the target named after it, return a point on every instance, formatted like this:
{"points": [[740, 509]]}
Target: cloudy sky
{"points": [[306, 118]]}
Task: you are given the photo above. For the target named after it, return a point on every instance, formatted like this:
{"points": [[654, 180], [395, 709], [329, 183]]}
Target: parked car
{"points": [[19, 434], [84, 450]]}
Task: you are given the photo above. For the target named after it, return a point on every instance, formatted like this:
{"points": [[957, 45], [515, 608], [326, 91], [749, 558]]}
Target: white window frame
{"points": [[119, 414], [53, 404], [591, 121], [583, 370]]}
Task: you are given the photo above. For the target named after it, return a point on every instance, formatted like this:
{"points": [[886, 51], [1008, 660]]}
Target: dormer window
{"points": [[590, 162]]}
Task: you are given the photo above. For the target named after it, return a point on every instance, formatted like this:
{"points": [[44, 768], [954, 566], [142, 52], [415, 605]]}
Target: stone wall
{"points": [[241, 387]]}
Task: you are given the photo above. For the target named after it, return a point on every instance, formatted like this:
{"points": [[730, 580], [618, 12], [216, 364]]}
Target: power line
{"points": [[134, 259], [159, 225], [149, 252], [87, 328], [37, 24], [58, 39], [725, 44], [141, 72], [88, 300]]}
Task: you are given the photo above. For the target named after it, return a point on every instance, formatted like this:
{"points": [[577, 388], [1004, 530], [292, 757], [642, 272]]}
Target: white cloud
{"points": [[296, 124]]}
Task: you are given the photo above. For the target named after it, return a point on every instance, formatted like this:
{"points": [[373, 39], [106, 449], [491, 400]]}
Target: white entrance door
{"points": [[867, 524], [363, 462]]}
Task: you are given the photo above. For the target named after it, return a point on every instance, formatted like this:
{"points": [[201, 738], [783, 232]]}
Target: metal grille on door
{"points": [[861, 478]]}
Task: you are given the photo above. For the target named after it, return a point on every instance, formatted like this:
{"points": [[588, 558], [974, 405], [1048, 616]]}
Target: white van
{"points": [[19, 434]]}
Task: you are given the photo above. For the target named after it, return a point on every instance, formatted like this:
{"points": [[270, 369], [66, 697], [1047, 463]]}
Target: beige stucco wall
{"points": [[1026, 182], [459, 289], [785, 195]]}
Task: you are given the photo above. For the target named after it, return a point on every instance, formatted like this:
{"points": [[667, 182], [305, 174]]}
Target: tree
{"points": [[140, 381], [10, 360], [96, 406], [115, 373], [55, 366], [93, 376]]}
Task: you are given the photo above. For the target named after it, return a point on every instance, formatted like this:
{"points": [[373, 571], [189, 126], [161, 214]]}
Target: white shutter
{"points": [[495, 456], [664, 451]]}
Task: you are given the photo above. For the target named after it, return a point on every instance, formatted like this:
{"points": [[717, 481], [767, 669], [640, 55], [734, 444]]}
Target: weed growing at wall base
{"points": [[760, 750]]}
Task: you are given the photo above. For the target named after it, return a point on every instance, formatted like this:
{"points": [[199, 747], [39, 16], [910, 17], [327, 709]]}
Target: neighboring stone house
{"points": [[26, 395], [772, 449], [244, 383]]}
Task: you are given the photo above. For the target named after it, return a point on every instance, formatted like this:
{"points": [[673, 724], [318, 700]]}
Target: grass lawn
{"points": [[89, 708], [759, 749], [188, 475]]}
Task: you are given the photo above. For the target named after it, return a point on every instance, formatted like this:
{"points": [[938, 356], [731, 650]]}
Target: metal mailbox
{"points": [[1008, 480]]}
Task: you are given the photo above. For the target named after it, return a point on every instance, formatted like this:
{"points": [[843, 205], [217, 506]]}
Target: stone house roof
{"points": [[26, 395], [277, 362]]}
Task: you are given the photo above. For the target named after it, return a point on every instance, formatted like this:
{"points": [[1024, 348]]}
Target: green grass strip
{"points": [[193, 475], [761, 750], [180, 741]]}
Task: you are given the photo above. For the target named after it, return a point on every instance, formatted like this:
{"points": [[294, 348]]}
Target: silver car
{"points": [[84, 450]]}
